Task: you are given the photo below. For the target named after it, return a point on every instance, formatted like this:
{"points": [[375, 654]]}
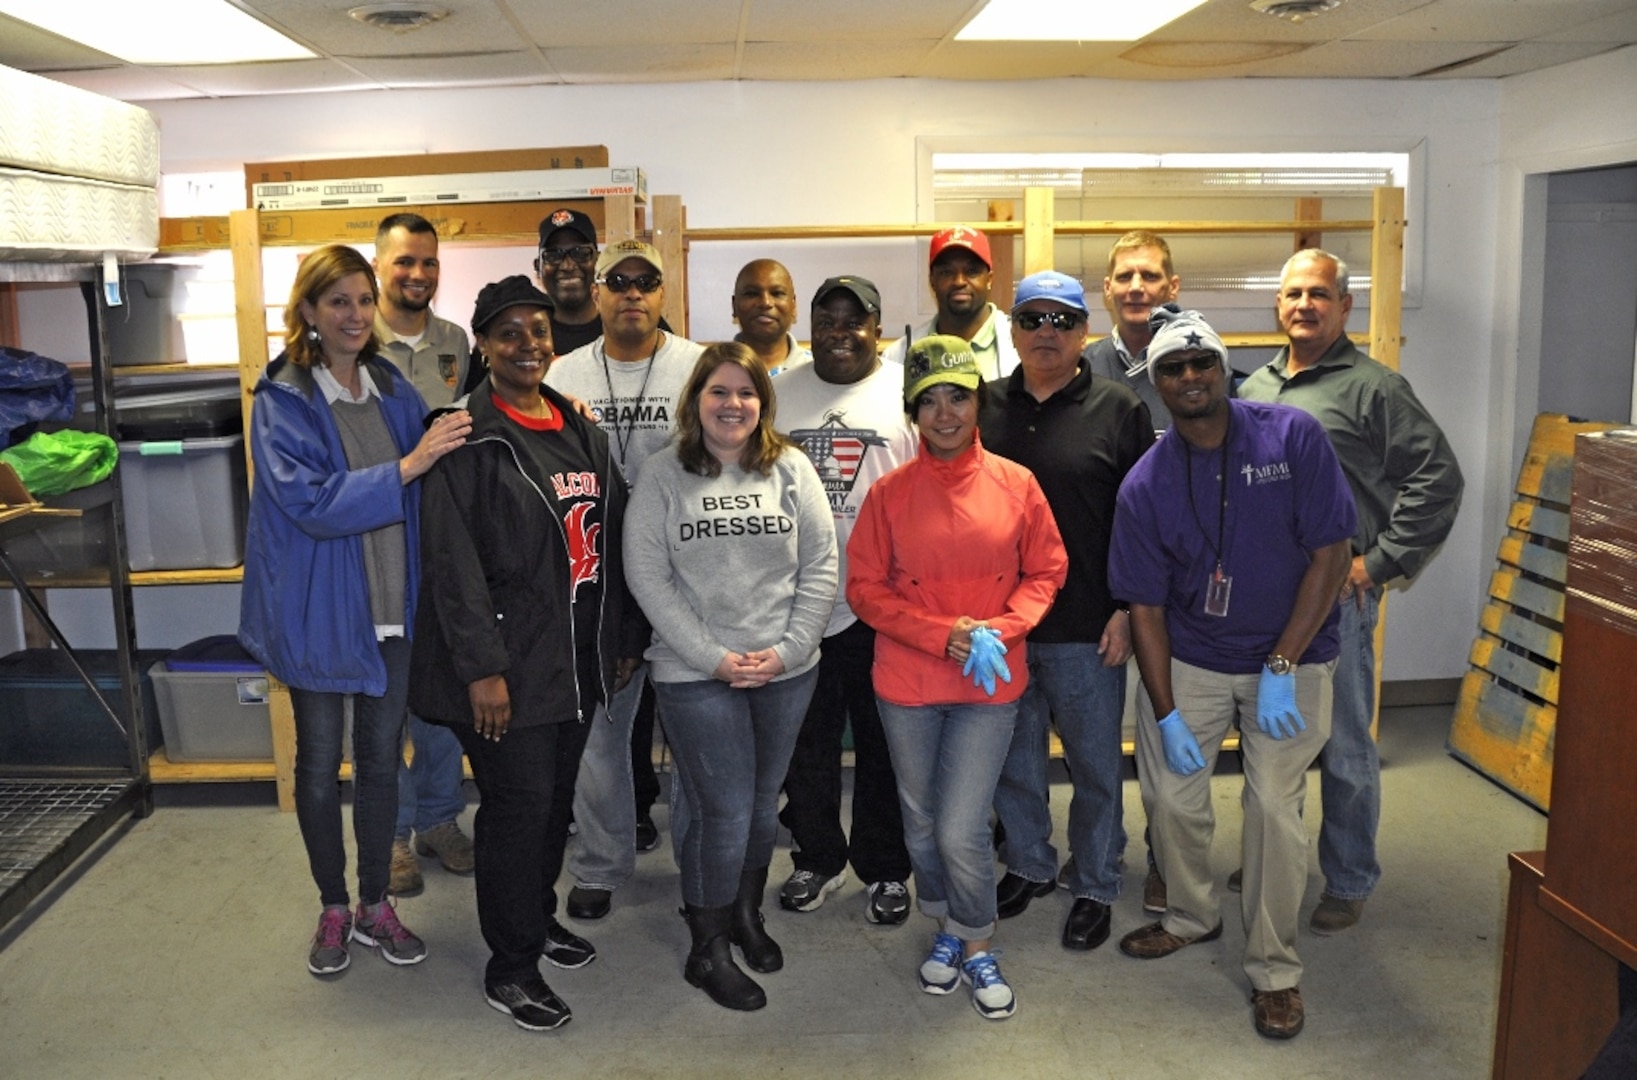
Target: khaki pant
{"points": [[1182, 821]]}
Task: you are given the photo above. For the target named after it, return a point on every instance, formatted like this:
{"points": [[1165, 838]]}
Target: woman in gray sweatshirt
{"points": [[730, 549]]}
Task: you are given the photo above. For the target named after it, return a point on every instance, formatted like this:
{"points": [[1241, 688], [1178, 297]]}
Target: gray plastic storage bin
{"points": [[142, 330], [213, 715], [185, 503]]}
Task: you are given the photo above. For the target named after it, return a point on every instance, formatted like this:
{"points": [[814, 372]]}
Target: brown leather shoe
{"points": [[1279, 1013], [1154, 941], [1153, 892], [452, 847]]}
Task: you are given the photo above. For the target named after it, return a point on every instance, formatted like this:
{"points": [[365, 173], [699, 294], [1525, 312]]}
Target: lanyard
{"points": [[1217, 548], [622, 439]]}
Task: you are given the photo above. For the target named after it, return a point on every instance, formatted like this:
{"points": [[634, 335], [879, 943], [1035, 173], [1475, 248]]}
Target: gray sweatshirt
{"points": [[733, 563]]}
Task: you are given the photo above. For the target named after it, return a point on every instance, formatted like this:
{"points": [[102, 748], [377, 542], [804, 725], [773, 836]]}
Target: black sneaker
{"points": [[532, 1005], [566, 949], [647, 833], [887, 903]]}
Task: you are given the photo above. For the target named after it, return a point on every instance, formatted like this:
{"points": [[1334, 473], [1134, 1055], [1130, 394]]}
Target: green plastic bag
{"points": [[50, 463]]}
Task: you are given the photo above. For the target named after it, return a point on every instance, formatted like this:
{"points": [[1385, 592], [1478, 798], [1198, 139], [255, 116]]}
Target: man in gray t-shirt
{"points": [[630, 378]]}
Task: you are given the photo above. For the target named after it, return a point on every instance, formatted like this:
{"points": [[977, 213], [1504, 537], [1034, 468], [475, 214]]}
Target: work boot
{"points": [[405, 877], [749, 931], [710, 963]]}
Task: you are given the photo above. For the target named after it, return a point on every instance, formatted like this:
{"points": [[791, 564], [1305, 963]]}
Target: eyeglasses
{"points": [[1199, 365], [580, 253], [1030, 321], [645, 283]]}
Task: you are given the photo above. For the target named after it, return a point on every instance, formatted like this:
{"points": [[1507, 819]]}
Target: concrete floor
{"points": [[178, 950]]}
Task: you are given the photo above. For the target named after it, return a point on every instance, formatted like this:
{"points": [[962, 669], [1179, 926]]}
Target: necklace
{"points": [[622, 438]]}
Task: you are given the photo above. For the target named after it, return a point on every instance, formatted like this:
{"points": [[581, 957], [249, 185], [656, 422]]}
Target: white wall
{"points": [[743, 154], [1575, 116]]}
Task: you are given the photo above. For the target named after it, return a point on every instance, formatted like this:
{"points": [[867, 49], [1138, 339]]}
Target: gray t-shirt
{"points": [[635, 403]]}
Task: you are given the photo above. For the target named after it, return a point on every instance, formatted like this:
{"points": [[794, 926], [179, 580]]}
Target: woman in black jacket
{"points": [[521, 631]]}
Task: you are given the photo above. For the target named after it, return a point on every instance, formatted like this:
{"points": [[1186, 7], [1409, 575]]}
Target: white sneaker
{"points": [[991, 995], [941, 972]]}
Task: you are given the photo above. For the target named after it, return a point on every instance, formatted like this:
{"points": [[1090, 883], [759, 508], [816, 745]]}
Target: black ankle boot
{"points": [[710, 965], [749, 932]]}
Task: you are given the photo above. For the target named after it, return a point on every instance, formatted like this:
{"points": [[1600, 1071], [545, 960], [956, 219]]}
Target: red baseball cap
{"points": [[962, 236]]}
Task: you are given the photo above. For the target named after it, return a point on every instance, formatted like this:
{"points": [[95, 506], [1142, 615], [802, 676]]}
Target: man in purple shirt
{"points": [[1231, 539]]}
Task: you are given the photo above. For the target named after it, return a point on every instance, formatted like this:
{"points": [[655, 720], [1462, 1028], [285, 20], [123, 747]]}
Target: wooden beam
{"points": [[1387, 276], [1038, 230], [670, 227], [249, 308], [1004, 252], [1309, 209]]}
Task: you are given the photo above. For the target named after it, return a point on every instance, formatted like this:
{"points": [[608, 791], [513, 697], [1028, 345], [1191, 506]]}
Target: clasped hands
{"points": [[979, 649], [749, 670]]}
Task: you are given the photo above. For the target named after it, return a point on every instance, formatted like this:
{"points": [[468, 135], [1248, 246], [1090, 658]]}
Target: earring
{"points": [[484, 357], [312, 334]]}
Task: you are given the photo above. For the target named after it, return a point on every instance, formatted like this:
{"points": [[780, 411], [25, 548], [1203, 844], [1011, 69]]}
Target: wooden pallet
{"points": [[1507, 712]]}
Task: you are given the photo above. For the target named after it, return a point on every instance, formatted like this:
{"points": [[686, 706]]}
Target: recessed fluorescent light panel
{"points": [[188, 31], [1072, 20]]}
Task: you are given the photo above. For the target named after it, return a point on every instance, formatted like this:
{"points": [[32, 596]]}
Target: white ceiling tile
{"points": [[472, 26], [284, 77], [1236, 20], [1017, 59], [1527, 56], [493, 69], [862, 22], [1489, 20], [127, 84], [830, 60], [555, 25], [1620, 28], [643, 63]]}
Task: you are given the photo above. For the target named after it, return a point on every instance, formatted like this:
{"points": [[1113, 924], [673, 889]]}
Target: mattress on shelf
{"points": [[54, 218], [55, 128]]}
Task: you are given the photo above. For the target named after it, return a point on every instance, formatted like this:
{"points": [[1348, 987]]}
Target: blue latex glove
{"points": [[1276, 711], [986, 660], [1181, 748]]}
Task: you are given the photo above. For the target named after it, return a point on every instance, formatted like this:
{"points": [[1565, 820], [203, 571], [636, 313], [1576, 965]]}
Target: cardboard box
{"points": [[559, 157], [388, 193]]}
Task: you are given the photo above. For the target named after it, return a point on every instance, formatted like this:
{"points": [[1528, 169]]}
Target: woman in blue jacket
{"points": [[330, 570]]}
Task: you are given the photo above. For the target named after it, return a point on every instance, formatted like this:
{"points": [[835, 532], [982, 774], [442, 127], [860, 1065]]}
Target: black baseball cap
{"points": [[862, 289], [572, 220]]}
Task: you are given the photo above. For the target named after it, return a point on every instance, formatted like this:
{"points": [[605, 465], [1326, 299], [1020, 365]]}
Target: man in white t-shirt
{"points": [[630, 378], [961, 272], [845, 408]]}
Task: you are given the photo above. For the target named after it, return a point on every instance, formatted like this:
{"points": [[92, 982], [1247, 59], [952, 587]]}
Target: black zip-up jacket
{"points": [[496, 575]]}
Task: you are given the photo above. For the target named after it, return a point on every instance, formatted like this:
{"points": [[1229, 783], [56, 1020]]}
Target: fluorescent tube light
{"points": [[1072, 20], [174, 32]]}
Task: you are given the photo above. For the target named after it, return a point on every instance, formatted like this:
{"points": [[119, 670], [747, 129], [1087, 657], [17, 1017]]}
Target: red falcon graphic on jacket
{"points": [[583, 555]]}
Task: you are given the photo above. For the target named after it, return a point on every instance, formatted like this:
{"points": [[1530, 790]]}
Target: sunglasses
{"points": [[580, 253], [1199, 365], [645, 283], [1030, 321]]}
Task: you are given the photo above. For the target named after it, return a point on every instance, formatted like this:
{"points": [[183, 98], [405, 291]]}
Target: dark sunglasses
{"points": [[580, 253], [1030, 321], [1199, 365], [645, 283]]}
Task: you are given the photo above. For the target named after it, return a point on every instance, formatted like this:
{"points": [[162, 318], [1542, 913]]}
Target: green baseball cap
{"points": [[940, 358]]}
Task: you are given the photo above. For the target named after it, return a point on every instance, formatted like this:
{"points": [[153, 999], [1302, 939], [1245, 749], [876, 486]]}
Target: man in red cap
{"points": [[961, 272]]}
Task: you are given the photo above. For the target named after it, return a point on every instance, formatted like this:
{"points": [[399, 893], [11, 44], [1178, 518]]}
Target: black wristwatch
{"points": [[1279, 665]]}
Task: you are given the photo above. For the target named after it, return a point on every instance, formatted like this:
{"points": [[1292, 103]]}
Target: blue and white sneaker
{"points": [[941, 972], [991, 995]]}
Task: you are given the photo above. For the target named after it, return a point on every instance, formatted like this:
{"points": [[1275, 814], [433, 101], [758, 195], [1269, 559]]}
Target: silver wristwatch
{"points": [[1279, 665]]}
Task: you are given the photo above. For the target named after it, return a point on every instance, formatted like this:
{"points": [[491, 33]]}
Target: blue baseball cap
{"points": [[1050, 285]]}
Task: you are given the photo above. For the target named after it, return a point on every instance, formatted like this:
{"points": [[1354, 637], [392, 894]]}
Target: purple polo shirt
{"points": [[1286, 497]]}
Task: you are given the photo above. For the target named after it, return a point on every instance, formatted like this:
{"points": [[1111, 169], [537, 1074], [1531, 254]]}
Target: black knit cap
{"points": [[497, 296]]}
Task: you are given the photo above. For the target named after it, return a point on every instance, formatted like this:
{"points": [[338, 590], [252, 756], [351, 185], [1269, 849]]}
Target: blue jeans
{"points": [[1349, 767], [732, 748], [605, 809], [377, 745], [948, 760], [430, 791], [1069, 684]]}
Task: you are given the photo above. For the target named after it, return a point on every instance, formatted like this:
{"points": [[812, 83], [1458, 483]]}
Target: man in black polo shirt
{"points": [[1079, 434]]}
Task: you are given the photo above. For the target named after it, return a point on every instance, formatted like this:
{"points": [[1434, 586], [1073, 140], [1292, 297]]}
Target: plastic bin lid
{"points": [[219, 653]]}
